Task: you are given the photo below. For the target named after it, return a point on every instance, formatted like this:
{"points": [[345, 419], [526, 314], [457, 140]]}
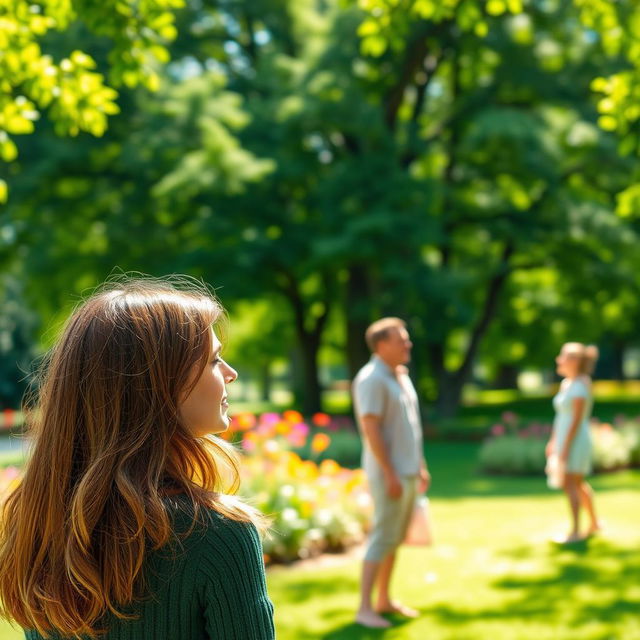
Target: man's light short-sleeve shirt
{"points": [[377, 391]]}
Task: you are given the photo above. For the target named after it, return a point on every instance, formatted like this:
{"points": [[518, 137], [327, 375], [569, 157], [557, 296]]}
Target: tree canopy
{"points": [[455, 163], [71, 86]]}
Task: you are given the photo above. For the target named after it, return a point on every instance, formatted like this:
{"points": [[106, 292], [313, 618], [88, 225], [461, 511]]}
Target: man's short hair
{"points": [[380, 330]]}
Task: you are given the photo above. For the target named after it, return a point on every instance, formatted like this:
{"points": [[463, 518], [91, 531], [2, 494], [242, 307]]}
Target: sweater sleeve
{"points": [[232, 581]]}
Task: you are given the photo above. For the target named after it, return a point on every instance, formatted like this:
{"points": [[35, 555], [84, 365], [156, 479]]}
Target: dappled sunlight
{"points": [[493, 572]]}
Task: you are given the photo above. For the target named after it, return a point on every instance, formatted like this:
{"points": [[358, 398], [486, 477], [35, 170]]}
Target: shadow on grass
{"points": [[608, 571], [317, 589], [455, 474], [453, 466], [354, 631], [303, 590]]}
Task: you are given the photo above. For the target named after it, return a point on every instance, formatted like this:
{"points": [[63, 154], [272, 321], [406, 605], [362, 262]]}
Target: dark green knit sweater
{"points": [[209, 586]]}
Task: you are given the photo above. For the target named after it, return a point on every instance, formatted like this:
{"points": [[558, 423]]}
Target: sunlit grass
{"points": [[493, 573]]}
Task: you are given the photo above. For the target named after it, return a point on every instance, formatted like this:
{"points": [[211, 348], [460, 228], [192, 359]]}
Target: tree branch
{"points": [[488, 311], [414, 57]]}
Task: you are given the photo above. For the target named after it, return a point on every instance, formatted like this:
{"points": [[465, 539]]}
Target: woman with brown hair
{"points": [[124, 525], [569, 449]]}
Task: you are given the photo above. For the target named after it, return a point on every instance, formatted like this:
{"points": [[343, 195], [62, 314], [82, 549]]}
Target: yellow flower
{"points": [[283, 428], [330, 467]]}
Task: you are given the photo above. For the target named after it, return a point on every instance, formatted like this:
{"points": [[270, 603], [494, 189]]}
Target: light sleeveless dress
{"points": [[579, 460]]}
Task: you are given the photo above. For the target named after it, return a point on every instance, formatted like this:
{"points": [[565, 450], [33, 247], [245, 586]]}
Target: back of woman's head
{"points": [[107, 446], [586, 354]]}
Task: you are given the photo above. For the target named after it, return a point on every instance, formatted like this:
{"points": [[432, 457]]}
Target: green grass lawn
{"points": [[493, 574]]}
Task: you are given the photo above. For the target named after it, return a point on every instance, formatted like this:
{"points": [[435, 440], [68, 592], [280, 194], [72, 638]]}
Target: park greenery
{"points": [[492, 572], [514, 448], [470, 166], [305, 475]]}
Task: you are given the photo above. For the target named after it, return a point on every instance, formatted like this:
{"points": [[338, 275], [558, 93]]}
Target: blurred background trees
{"points": [[469, 166]]}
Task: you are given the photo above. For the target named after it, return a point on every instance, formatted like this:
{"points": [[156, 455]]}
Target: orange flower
{"points": [[244, 421], [293, 416], [321, 419], [320, 442]]}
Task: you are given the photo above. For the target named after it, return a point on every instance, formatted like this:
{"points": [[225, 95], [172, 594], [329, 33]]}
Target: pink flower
{"points": [[249, 442], [296, 439], [301, 429], [497, 430], [266, 429], [269, 418]]}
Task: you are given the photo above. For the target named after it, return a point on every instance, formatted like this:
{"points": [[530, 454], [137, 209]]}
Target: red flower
{"points": [[321, 419]]}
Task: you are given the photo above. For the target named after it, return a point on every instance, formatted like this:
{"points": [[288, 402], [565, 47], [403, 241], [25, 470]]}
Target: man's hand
{"points": [[394, 486], [425, 480]]}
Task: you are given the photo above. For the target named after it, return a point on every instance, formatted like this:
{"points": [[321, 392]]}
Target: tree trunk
{"points": [[450, 384], [617, 360], [309, 338], [449, 395], [266, 381], [611, 362], [358, 318], [312, 399], [507, 377]]}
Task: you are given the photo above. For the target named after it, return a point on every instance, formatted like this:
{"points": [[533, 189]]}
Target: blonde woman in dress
{"points": [[570, 441]]}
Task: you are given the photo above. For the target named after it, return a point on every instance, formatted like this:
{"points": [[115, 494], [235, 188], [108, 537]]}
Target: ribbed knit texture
{"points": [[208, 586]]}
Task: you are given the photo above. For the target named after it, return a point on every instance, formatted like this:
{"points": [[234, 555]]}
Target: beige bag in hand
{"points": [[555, 471], [419, 531]]}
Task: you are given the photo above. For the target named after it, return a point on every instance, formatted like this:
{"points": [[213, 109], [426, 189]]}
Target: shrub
{"points": [[611, 447], [512, 454], [631, 430], [515, 449]]}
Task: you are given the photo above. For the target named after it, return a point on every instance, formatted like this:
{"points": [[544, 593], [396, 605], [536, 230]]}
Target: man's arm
{"points": [[425, 477], [371, 428]]}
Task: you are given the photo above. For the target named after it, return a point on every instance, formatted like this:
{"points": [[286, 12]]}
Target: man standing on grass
{"points": [[386, 407]]}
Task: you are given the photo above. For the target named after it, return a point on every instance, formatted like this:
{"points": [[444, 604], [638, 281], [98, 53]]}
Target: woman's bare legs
{"points": [[586, 499], [572, 484]]}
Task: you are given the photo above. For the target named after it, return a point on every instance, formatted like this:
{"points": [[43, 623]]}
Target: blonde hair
{"points": [[586, 354], [380, 330], [108, 448]]}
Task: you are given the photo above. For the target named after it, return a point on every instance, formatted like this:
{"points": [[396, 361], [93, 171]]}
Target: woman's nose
{"points": [[230, 374]]}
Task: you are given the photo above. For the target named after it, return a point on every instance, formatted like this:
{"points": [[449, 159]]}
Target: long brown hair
{"points": [[107, 447]]}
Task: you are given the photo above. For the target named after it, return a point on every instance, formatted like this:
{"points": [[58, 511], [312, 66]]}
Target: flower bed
{"points": [[9, 478], [315, 504], [513, 448]]}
